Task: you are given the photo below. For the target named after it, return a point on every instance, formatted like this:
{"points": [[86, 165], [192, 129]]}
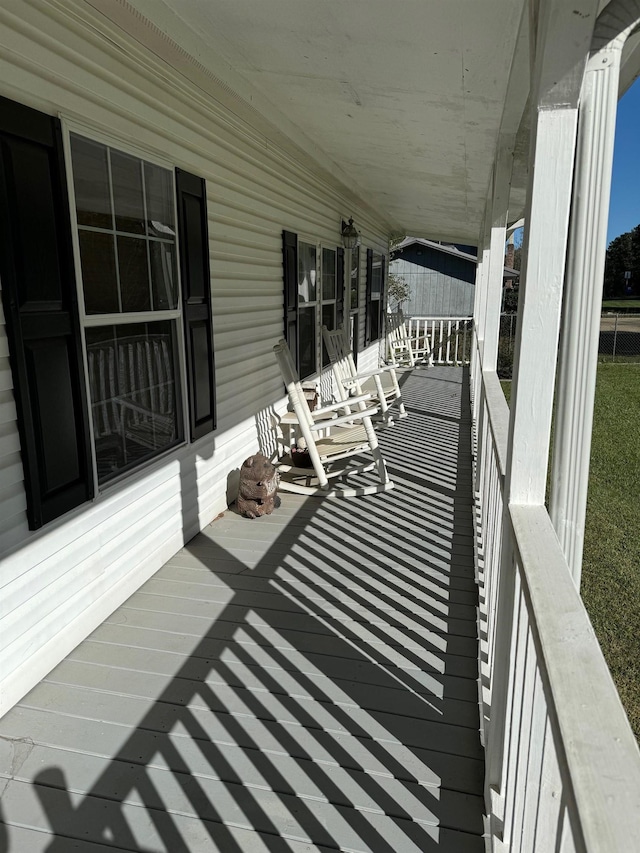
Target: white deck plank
{"points": [[317, 669], [305, 681]]}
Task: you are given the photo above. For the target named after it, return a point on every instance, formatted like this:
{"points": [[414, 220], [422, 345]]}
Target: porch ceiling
{"points": [[402, 101]]}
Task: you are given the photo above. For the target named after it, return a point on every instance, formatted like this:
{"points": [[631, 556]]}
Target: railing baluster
{"points": [[534, 765], [449, 338], [513, 729]]}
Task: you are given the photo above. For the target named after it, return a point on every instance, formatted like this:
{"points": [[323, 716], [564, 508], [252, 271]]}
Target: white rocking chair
{"points": [[401, 350], [381, 383], [350, 434]]}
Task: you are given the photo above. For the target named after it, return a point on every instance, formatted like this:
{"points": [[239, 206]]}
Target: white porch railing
{"points": [[563, 767], [449, 337]]}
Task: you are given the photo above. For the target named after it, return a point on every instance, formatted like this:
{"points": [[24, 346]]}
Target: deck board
{"points": [[305, 681]]}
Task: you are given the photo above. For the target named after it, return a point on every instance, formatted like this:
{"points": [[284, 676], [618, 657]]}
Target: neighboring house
{"points": [[441, 277]]}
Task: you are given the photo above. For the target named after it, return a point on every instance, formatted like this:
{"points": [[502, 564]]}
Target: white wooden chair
{"points": [[401, 350], [351, 434], [381, 383]]}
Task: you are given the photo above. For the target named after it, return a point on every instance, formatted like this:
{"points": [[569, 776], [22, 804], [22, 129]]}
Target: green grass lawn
{"points": [[611, 565], [612, 304]]}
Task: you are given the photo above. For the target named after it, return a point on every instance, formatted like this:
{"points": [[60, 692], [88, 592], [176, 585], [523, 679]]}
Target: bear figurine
{"points": [[257, 490]]}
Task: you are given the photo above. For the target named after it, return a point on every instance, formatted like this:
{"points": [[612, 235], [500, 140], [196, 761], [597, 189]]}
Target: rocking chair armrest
{"points": [[367, 375], [365, 413], [335, 407]]}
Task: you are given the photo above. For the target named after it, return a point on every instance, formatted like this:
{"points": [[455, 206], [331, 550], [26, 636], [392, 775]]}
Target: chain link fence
{"points": [[619, 340]]}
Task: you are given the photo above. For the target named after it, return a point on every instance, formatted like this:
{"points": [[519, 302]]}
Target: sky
{"points": [[624, 210]]}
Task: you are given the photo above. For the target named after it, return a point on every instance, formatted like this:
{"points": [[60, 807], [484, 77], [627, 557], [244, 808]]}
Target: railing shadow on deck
{"points": [[336, 686]]}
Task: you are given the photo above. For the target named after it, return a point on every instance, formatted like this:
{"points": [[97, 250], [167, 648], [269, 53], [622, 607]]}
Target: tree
{"points": [[398, 291], [517, 258], [623, 255]]}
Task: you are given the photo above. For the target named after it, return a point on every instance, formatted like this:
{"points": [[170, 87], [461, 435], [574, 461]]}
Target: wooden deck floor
{"points": [[305, 681]]}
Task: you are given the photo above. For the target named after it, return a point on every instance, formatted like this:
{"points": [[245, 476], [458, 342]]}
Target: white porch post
{"points": [[346, 321], [540, 302], [479, 314], [583, 297], [561, 42], [482, 281], [498, 237], [489, 297]]}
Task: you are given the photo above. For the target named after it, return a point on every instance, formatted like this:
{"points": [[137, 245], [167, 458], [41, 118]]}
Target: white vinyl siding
{"points": [[58, 583]]}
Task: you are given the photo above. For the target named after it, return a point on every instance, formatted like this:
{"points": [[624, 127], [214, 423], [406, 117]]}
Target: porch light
{"points": [[350, 237]]}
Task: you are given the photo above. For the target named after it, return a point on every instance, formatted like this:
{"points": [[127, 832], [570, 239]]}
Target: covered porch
{"points": [[303, 681], [413, 671]]}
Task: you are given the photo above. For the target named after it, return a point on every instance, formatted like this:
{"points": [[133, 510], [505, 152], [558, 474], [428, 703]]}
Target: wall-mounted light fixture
{"points": [[350, 237]]}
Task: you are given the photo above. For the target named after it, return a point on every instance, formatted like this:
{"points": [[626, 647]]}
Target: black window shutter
{"points": [[368, 304], [290, 275], [40, 304], [196, 301], [340, 319]]}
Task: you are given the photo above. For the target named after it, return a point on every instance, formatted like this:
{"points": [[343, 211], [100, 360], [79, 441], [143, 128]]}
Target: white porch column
{"points": [[498, 237], [482, 281], [540, 302], [479, 313], [480, 303], [489, 297], [346, 311], [583, 299], [560, 44]]}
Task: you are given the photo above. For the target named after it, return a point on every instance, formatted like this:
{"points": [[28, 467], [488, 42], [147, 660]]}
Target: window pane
{"points": [[164, 279], [126, 177], [159, 190], [134, 395], [307, 272], [376, 277], [354, 332], [328, 274], [97, 259], [329, 316], [134, 274], [355, 277], [147, 278], [374, 314], [307, 341], [91, 183], [328, 320]]}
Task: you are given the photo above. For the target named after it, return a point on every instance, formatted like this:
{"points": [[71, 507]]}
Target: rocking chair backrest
{"points": [[354, 435], [342, 363], [292, 383], [398, 343], [381, 383]]}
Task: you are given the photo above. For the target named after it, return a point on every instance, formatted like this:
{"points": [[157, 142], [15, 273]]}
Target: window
{"points": [[354, 284], [307, 307], [329, 294], [375, 296], [98, 374], [126, 226], [314, 296]]}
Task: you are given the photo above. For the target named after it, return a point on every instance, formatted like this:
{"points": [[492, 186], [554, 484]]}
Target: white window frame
{"points": [[323, 301], [314, 304], [174, 315], [319, 301], [354, 312]]}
